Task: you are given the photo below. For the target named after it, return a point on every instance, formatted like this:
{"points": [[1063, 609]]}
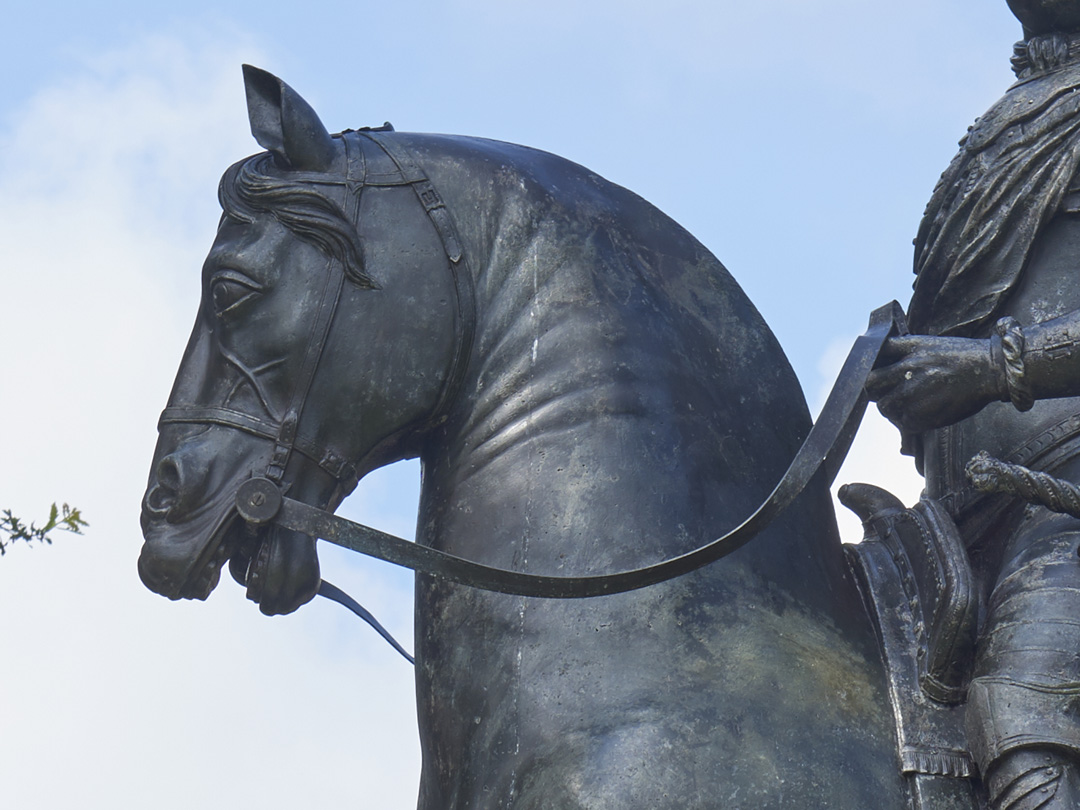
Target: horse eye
{"points": [[227, 293]]}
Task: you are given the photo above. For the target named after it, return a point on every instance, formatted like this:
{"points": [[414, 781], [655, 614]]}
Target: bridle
{"points": [[384, 164], [262, 500], [389, 165]]}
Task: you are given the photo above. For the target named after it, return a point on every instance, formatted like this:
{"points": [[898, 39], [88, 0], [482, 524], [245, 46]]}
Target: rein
{"points": [[261, 501]]}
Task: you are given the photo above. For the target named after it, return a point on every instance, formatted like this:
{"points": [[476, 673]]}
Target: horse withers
{"points": [[588, 390]]}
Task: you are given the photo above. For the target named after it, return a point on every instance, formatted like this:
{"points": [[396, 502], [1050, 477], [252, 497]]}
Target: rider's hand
{"points": [[928, 382]]}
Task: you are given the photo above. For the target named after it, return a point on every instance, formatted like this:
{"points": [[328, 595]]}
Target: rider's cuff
{"points": [[997, 363], [1011, 335]]}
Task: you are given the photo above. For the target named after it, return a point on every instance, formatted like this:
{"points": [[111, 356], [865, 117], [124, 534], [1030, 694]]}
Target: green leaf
{"points": [[67, 519]]}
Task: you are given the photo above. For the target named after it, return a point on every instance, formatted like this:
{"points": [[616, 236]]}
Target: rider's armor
{"points": [[1001, 238]]}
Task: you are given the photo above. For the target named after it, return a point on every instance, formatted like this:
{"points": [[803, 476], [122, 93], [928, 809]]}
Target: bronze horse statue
{"points": [[588, 390]]}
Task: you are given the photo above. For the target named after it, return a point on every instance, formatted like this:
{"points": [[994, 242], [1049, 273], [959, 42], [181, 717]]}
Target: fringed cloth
{"points": [[1014, 167]]}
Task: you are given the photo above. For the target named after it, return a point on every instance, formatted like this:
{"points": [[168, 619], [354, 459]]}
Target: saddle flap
{"points": [[917, 585], [951, 609], [936, 579]]}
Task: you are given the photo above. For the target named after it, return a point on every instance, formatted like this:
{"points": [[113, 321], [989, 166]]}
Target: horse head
{"points": [[306, 326]]}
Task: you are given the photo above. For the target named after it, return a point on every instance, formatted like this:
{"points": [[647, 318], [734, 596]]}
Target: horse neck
{"points": [[566, 479], [613, 412], [578, 444]]}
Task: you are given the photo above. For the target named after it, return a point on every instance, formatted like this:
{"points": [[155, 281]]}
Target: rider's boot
{"points": [[1043, 778]]}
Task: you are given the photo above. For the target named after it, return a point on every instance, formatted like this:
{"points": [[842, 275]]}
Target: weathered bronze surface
{"points": [[591, 393], [994, 373]]}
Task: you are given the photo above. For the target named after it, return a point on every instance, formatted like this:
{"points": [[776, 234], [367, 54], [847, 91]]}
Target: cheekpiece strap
{"points": [[412, 175], [320, 329]]}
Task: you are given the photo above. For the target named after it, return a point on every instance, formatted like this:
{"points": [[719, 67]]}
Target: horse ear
{"points": [[283, 123]]}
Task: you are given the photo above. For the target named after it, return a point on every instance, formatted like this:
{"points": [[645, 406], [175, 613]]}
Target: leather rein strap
{"points": [[260, 501]]}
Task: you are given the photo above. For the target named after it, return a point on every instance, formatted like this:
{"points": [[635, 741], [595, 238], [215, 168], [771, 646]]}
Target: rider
{"points": [[994, 365]]}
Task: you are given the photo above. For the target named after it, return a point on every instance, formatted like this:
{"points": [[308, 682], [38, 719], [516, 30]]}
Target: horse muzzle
{"points": [[191, 527], [183, 560]]}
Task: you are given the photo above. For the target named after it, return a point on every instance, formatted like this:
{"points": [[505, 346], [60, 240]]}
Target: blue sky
{"points": [[799, 140]]}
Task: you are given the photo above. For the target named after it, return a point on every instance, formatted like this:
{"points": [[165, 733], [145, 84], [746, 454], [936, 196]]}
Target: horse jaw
{"points": [[183, 561]]}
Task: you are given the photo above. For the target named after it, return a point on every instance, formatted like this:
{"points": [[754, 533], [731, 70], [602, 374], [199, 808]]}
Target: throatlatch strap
{"points": [[440, 218]]}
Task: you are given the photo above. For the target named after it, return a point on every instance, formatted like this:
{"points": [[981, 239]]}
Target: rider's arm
{"points": [[1051, 357], [926, 382]]}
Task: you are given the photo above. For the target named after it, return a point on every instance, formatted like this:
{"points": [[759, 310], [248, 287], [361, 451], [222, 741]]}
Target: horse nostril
{"points": [[168, 474], [160, 500], [165, 494]]}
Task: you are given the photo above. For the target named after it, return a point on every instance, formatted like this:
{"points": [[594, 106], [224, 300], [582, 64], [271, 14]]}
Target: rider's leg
{"points": [[1034, 779], [1023, 709]]}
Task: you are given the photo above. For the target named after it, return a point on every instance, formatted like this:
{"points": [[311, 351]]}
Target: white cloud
{"points": [[113, 695]]}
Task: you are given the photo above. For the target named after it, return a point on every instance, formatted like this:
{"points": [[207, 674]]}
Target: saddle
{"points": [[916, 580]]}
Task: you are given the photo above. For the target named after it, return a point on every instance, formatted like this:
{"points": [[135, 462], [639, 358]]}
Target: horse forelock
{"points": [[255, 186]]}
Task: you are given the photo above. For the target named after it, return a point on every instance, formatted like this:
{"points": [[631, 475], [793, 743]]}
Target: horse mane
{"points": [[591, 300], [598, 314]]}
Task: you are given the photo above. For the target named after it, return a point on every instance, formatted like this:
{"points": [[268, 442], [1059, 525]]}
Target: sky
{"points": [[799, 140]]}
